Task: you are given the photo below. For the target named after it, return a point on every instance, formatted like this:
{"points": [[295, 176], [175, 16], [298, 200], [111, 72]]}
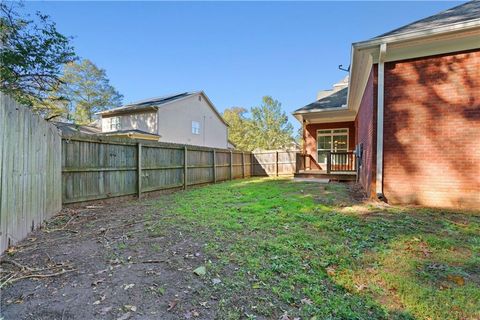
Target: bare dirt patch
{"points": [[101, 263]]}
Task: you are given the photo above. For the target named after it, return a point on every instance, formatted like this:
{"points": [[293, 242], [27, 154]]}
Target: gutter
{"points": [[380, 112], [410, 35]]}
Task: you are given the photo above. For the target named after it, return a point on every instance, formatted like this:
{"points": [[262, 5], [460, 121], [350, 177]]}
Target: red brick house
{"points": [[408, 126]]}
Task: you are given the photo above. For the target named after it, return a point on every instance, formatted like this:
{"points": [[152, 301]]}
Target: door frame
{"points": [[331, 134]]}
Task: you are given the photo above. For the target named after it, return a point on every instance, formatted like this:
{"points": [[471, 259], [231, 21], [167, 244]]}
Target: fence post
{"points": [[243, 165], [214, 167], [276, 163], [329, 161], [251, 164], [139, 170], [231, 165], [185, 168]]}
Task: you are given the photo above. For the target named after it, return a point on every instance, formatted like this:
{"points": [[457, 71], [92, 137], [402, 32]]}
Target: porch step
{"points": [[347, 176]]}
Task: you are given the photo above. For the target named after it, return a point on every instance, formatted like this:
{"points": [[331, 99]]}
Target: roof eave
{"points": [[123, 111], [411, 35], [320, 110], [363, 53]]}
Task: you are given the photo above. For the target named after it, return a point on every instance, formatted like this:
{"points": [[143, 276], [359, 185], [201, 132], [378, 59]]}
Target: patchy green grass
{"points": [[308, 250]]}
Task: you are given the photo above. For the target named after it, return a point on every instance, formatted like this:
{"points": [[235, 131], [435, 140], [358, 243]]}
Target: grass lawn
{"points": [[297, 249]]}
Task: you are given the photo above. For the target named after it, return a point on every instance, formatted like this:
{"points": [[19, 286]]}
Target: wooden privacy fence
{"points": [[98, 168], [274, 163], [30, 176], [102, 167]]}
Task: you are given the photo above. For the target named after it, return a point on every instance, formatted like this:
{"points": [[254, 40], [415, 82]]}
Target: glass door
{"points": [[331, 140], [324, 145]]}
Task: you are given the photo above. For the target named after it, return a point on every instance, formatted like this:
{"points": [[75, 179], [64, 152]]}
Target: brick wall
{"points": [[432, 130], [366, 125], [310, 139]]}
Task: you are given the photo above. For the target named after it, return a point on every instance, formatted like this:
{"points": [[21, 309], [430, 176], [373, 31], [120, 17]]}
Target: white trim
{"points": [[343, 107], [380, 109], [428, 32]]}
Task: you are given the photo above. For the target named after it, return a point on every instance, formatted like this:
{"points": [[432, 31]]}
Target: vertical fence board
{"points": [[30, 162]]}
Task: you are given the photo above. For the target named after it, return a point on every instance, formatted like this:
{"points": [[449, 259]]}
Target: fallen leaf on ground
{"points": [[105, 310], [306, 301], [216, 281], [190, 314], [331, 271], [361, 287], [128, 286], [130, 307], [459, 280], [172, 305], [125, 316], [200, 271]]}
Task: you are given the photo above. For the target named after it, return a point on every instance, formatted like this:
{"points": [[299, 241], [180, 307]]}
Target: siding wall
{"points": [[175, 123], [145, 121], [432, 131]]}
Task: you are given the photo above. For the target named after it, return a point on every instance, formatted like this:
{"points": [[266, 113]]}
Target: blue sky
{"points": [[236, 52]]}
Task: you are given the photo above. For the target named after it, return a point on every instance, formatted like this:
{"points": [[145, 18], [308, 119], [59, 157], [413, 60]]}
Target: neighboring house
{"points": [[185, 118], [72, 129], [411, 111]]}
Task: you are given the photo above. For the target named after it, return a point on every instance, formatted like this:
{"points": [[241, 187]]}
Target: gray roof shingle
{"points": [[69, 129], [335, 100], [151, 102], [462, 13]]}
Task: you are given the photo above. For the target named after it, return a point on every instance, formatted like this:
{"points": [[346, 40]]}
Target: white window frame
{"points": [[195, 127], [115, 125], [332, 134]]}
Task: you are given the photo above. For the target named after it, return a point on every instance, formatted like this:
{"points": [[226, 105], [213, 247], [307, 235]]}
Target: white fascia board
{"points": [[461, 26], [332, 120], [321, 110], [328, 117]]}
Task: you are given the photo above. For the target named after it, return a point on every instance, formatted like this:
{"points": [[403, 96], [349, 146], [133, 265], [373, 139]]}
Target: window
{"points": [[331, 140], [114, 123], [195, 127]]}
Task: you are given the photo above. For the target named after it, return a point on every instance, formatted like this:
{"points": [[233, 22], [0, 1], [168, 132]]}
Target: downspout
{"points": [[304, 146], [380, 111]]}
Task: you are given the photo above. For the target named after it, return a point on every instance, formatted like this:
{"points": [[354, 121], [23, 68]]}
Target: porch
{"points": [[340, 166]]}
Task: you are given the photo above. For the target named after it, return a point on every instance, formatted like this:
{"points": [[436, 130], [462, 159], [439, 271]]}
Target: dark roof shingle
{"points": [[151, 102], [335, 100], [462, 13]]}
